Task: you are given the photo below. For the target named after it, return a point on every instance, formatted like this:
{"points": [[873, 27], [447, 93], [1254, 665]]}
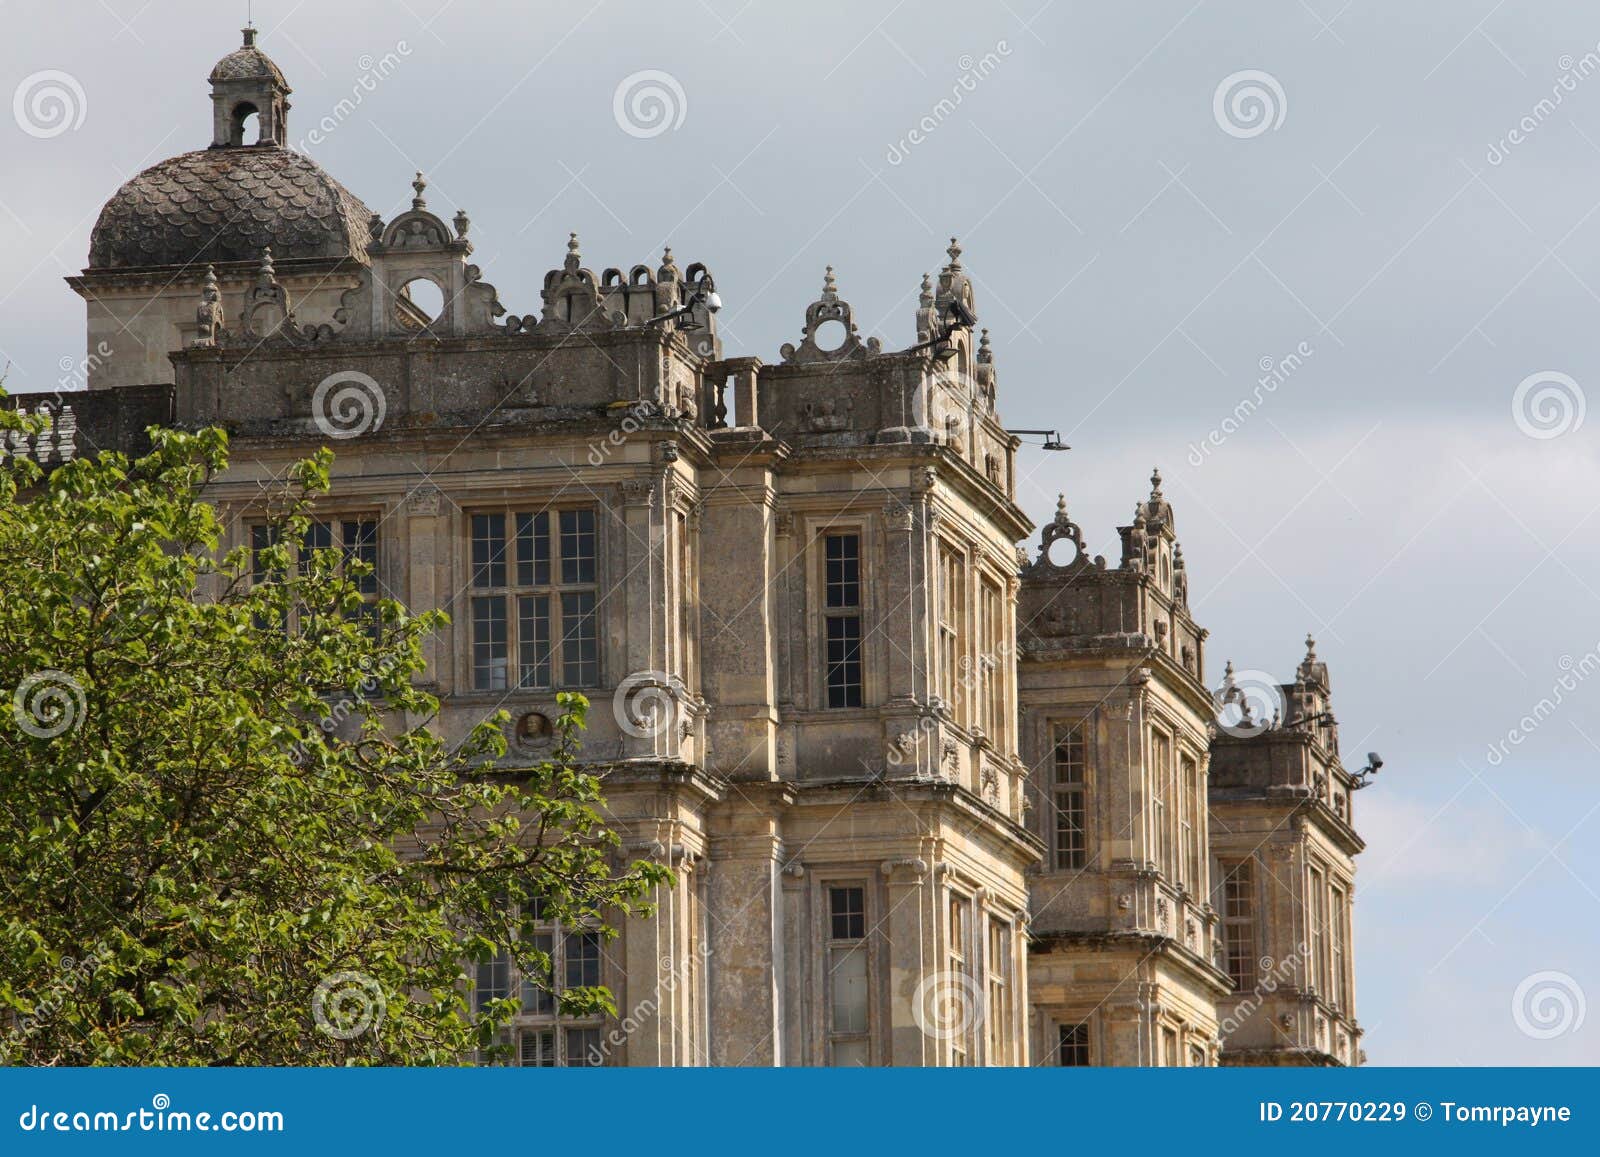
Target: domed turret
{"points": [[219, 207], [246, 83]]}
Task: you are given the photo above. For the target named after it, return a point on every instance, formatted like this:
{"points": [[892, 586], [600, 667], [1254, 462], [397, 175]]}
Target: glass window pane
{"points": [[488, 550], [583, 1047], [583, 959], [538, 1048], [843, 553], [533, 640], [577, 546], [533, 550], [318, 536], [844, 661], [489, 646], [847, 909], [847, 987], [580, 642], [361, 544], [848, 1053], [1074, 1046], [261, 537], [537, 997], [492, 981]]}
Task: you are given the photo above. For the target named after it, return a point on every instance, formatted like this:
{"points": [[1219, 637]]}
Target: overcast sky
{"points": [[1143, 244]]}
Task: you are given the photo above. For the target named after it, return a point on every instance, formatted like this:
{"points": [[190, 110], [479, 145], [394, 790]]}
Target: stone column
{"points": [[745, 962], [425, 554], [738, 672], [909, 926]]}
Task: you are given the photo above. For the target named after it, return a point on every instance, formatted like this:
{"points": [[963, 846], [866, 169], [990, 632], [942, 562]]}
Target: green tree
{"points": [[229, 831]]}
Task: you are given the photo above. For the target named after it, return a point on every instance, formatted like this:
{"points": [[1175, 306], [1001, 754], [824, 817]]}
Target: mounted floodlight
{"points": [[1052, 438], [702, 295], [1361, 778]]}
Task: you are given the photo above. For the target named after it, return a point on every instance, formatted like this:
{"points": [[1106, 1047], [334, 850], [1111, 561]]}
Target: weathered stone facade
{"points": [[930, 801]]}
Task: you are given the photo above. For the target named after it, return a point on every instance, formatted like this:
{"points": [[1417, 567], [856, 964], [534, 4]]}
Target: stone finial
{"points": [[418, 204], [830, 289], [669, 267], [1061, 508], [1155, 484], [954, 250], [462, 223], [985, 353], [208, 317], [267, 274], [925, 300], [574, 258], [1311, 649], [1138, 516], [1230, 694]]}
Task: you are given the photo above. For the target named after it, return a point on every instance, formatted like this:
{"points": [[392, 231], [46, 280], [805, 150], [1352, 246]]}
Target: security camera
{"points": [[712, 301], [1374, 760]]}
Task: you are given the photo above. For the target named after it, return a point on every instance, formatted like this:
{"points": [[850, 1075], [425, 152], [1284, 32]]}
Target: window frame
{"points": [[951, 615], [1074, 1041], [260, 534], [1163, 747], [830, 947], [1241, 930], [828, 615], [544, 1018], [518, 602], [1074, 791]]}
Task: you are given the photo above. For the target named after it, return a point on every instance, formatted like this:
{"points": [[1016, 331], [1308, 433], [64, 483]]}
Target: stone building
{"points": [[933, 798]]}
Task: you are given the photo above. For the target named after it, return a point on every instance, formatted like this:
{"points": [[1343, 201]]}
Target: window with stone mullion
{"points": [[534, 599]]}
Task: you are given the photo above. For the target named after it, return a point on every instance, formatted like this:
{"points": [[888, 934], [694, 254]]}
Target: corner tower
{"points": [[1115, 726], [1284, 845]]}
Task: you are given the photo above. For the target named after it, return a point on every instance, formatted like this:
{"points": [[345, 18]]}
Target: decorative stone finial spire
{"points": [[985, 354], [418, 204], [1061, 507], [1155, 484], [266, 274], [1311, 649], [925, 300], [669, 267], [954, 251], [830, 289]]}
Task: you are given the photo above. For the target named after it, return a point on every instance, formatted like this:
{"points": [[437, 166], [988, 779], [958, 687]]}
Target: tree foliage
{"points": [[230, 832]]}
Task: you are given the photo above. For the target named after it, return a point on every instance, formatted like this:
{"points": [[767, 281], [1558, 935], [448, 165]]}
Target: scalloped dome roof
{"points": [[247, 63], [228, 204]]}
